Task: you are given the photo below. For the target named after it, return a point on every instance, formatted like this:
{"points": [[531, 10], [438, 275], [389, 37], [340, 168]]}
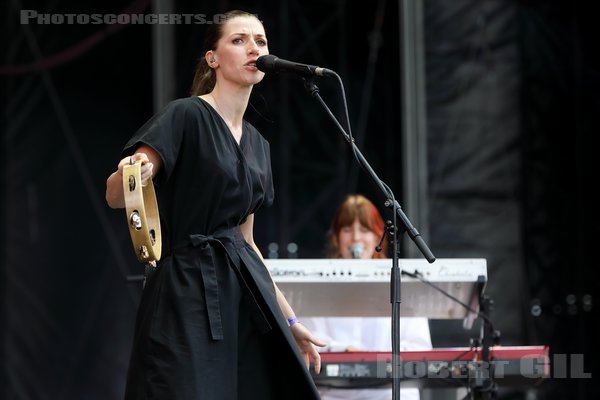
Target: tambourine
{"points": [[141, 209]]}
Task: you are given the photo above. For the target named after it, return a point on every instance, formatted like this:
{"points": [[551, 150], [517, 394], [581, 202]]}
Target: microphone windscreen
{"points": [[266, 63], [356, 250]]}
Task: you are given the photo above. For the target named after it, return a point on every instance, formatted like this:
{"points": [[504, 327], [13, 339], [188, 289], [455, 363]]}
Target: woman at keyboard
{"points": [[355, 232]]}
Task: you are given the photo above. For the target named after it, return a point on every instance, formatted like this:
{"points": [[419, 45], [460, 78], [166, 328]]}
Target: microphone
{"points": [[356, 250], [271, 63]]}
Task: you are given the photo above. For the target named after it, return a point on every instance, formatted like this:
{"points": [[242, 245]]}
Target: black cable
{"points": [[388, 192], [491, 387], [419, 276]]}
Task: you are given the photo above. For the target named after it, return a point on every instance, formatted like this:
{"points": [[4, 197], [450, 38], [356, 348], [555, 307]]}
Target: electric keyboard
{"points": [[343, 287], [508, 366]]}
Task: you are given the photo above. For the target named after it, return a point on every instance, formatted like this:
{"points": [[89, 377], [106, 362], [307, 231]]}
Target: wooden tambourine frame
{"points": [[142, 214]]}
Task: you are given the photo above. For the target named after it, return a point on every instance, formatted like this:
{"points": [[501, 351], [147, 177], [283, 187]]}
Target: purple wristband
{"points": [[292, 320]]}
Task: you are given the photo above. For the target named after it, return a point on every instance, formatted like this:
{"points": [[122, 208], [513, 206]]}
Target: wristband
{"points": [[292, 320]]}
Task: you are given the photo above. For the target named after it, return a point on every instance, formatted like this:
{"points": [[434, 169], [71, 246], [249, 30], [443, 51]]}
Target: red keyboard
{"points": [[445, 367]]}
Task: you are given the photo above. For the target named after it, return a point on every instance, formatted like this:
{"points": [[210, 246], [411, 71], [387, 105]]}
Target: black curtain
{"points": [[561, 78], [473, 114], [511, 89], [68, 310]]}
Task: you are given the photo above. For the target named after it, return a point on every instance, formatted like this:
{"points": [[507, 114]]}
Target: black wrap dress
{"points": [[208, 324]]}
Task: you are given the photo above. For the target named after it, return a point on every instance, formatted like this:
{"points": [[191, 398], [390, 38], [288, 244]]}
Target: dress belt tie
{"points": [[209, 277]]}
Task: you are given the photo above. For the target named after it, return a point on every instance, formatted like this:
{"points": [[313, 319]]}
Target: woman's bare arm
{"points": [[305, 340]]}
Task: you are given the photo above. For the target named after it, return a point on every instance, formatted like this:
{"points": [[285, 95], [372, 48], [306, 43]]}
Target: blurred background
{"points": [[478, 114]]}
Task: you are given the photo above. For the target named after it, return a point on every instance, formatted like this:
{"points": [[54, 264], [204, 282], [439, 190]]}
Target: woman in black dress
{"points": [[211, 323]]}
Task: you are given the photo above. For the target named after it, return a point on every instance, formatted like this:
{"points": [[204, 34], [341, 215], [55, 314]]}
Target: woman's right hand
{"points": [[114, 183], [146, 168]]}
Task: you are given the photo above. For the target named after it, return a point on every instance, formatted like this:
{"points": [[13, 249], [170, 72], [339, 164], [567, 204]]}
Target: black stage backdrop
{"points": [[511, 108], [473, 83]]}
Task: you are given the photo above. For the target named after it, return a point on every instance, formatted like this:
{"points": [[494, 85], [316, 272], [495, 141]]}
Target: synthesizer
{"points": [[448, 367], [344, 288]]}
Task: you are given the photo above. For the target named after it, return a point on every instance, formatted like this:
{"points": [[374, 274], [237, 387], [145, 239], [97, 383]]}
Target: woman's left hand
{"points": [[306, 343]]}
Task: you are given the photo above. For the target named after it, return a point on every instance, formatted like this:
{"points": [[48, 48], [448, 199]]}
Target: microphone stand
{"points": [[392, 231]]}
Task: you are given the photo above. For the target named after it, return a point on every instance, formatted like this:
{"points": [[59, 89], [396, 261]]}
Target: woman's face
{"points": [[359, 236], [243, 40]]}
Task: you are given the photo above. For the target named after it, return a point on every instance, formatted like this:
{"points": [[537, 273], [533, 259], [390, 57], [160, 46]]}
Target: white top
{"points": [[368, 334]]}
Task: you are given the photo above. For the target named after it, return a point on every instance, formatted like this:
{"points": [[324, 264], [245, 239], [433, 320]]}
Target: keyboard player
{"points": [[356, 230]]}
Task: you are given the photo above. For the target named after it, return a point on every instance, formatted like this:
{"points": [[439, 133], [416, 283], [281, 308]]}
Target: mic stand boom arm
{"points": [[406, 226]]}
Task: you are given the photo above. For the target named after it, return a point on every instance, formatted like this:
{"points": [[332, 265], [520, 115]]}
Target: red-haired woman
{"points": [[355, 232]]}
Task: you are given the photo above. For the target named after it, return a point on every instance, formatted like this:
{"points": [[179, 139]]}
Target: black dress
{"points": [[208, 324]]}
